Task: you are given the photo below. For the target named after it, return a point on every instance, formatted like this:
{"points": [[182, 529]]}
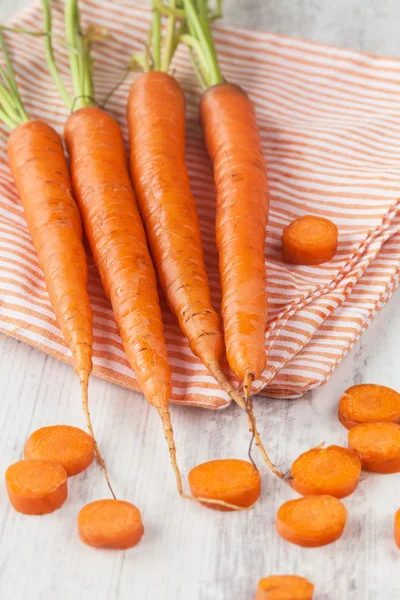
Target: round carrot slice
{"points": [[36, 487], [231, 480], [334, 471], [311, 521], [378, 446], [397, 528], [284, 587], [310, 240], [69, 446], [112, 524], [367, 403]]}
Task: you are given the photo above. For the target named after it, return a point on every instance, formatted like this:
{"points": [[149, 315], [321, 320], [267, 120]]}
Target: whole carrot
{"points": [[156, 117], [40, 171]]}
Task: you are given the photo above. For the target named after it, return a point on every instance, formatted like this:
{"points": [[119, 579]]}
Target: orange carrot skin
{"points": [[156, 116], [41, 174], [118, 242], [234, 145], [397, 528]]}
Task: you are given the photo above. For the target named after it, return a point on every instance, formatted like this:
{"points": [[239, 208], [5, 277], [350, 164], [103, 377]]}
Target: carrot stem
{"points": [[169, 41], [11, 96], [169, 11], [156, 40]]}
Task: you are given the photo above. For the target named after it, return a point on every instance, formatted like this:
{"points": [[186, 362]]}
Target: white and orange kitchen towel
{"points": [[330, 127]]}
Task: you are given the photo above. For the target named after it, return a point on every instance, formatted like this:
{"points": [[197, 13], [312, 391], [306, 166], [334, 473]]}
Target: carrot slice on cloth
{"points": [[369, 402], [310, 240], [36, 487], [333, 470], [378, 446], [233, 481], [112, 524], [69, 446], [311, 521], [284, 587]]}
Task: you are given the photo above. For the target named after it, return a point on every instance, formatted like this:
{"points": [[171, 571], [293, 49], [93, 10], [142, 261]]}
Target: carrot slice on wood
{"points": [[284, 587], [310, 240], [113, 524], [69, 446], [367, 403], [311, 521], [334, 471], [397, 528], [233, 481], [378, 446], [36, 487]]}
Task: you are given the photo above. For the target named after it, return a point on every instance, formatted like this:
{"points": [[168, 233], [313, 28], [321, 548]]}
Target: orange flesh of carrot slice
{"points": [[334, 471], [69, 446], [367, 403], [310, 240], [311, 521], [112, 524], [36, 487], [397, 528], [234, 481], [284, 587], [378, 446]]}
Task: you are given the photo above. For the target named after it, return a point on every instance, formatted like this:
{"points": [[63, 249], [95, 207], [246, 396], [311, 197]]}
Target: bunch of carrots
{"points": [[142, 226]]}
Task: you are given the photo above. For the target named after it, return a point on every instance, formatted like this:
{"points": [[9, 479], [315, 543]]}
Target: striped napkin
{"points": [[329, 121]]}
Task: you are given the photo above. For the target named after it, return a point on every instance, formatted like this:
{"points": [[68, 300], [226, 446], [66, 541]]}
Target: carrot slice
{"points": [[334, 471], [234, 481], [367, 403], [311, 521], [69, 446], [397, 528], [378, 446], [113, 524], [310, 240], [36, 487], [284, 587]]}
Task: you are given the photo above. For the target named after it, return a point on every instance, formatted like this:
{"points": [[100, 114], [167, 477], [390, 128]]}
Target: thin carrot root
{"points": [[220, 376], [397, 528], [70, 447], [36, 487], [112, 524], [367, 403], [334, 471], [310, 240], [226, 484], [311, 521], [377, 445], [84, 379], [284, 587]]}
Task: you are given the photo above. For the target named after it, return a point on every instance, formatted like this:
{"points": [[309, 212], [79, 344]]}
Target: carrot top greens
{"points": [[12, 111]]}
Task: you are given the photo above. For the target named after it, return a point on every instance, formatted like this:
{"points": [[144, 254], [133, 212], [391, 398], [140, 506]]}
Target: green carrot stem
{"points": [[169, 41], [12, 83], [156, 40], [169, 11]]}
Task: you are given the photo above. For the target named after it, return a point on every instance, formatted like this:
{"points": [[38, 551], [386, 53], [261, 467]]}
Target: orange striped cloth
{"points": [[330, 124]]}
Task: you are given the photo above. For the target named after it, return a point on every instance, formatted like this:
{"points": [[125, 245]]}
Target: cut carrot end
{"points": [[69, 446], [368, 403], [234, 482], [310, 240], [112, 524], [36, 487], [334, 471], [377, 445], [169, 436], [397, 528], [284, 587], [311, 521], [84, 379]]}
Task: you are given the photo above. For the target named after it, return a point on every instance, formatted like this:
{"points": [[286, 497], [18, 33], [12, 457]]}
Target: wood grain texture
{"points": [[188, 551]]}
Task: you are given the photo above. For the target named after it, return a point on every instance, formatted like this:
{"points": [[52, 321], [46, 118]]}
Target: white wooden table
{"points": [[189, 552]]}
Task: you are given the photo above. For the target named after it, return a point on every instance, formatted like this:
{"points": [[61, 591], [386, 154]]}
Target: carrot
{"points": [[334, 471], [397, 528], [156, 117], [112, 524], [311, 521], [235, 482], [309, 240], [284, 587], [367, 403], [42, 178], [36, 487], [378, 446], [68, 446]]}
